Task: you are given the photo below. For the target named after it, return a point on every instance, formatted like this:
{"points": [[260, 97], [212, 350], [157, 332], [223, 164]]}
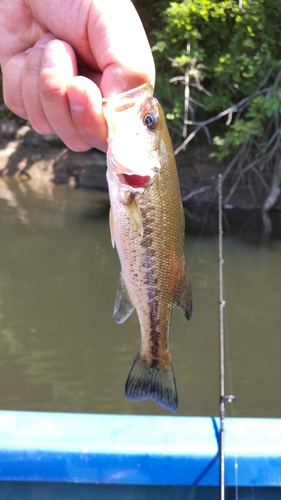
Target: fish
{"points": [[147, 228]]}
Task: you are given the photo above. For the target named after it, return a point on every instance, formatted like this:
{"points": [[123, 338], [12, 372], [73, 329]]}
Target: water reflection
{"points": [[60, 349]]}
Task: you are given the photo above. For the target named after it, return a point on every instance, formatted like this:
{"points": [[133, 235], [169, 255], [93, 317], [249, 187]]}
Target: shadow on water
{"points": [[251, 226]]}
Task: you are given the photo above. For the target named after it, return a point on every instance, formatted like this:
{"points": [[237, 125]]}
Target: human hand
{"points": [[59, 58]]}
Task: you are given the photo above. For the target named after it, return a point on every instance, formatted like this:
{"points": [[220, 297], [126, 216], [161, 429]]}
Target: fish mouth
{"points": [[126, 176], [136, 181]]}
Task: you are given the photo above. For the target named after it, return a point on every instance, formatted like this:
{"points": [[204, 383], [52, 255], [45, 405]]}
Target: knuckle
{"points": [[77, 147], [14, 102], [50, 86], [33, 63], [42, 127]]}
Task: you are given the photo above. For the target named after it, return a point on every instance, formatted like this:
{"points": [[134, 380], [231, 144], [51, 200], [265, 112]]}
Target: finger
{"points": [[58, 69], [12, 78], [120, 46], [30, 86], [85, 101]]}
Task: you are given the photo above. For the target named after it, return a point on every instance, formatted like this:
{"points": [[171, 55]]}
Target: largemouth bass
{"points": [[147, 227]]}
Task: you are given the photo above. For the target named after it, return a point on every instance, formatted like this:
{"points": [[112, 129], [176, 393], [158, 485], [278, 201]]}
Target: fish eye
{"points": [[150, 120]]}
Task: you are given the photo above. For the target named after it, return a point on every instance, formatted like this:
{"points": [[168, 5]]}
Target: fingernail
{"points": [[77, 101], [54, 52]]}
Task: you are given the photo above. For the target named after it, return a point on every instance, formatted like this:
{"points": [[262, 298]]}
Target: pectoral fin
{"points": [[135, 214], [184, 296], [123, 306], [111, 227]]}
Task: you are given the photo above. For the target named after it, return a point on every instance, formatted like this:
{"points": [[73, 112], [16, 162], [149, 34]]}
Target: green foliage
{"points": [[232, 47], [150, 14], [5, 113], [253, 124]]}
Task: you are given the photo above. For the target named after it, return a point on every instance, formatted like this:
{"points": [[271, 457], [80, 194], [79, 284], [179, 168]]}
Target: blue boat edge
{"points": [[137, 449]]}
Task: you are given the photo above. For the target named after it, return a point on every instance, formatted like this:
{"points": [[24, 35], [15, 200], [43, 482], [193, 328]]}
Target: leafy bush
{"points": [[227, 46]]}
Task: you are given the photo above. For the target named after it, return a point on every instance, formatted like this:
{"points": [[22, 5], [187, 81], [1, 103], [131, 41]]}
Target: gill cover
{"points": [[134, 140]]}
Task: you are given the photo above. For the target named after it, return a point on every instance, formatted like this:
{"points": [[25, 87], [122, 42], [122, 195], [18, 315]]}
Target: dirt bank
{"points": [[26, 154]]}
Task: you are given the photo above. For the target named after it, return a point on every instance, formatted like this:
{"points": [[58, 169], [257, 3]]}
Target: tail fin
{"points": [[148, 380]]}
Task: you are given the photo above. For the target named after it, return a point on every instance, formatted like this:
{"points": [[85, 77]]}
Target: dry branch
{"points": [[257, 162]]}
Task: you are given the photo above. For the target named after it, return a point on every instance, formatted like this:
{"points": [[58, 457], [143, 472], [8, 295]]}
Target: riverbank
{"points": [[26, 155]]}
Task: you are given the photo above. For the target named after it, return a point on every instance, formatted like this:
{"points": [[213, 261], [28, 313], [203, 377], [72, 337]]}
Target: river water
{"points": [[60, 349]]}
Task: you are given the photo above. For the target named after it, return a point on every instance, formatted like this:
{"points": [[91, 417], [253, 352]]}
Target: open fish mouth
{"points": [[136, 181], [127, 176]]}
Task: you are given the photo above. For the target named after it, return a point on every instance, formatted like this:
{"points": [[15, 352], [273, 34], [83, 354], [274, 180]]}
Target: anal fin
{"points": [[123, 306]]}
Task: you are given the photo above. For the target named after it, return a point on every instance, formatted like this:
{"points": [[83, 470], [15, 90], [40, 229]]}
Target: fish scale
{"points": [[147, 227]]}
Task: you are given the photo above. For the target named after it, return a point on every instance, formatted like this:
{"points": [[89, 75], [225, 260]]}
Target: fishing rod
{"points": [[223, 397]]}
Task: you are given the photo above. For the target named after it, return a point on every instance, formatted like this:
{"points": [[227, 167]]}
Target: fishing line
{"points": [[223, 397], [232, 407], [230, 379]]}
